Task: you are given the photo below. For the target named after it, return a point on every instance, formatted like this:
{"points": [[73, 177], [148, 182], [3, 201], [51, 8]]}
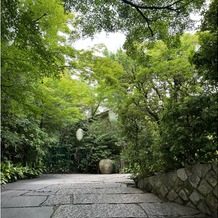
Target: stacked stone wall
{"points": [[194, 186]]}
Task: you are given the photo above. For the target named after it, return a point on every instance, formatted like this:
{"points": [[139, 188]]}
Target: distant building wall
{"points": [[193, 186]]}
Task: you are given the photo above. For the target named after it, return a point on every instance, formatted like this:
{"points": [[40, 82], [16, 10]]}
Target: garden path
{"points": [[85, 195]]}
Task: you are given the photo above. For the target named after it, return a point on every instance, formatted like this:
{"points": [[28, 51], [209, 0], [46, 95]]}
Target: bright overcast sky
{"points": [[113, 41]]}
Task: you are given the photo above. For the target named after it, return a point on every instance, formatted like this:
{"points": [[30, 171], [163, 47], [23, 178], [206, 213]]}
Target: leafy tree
{"points": [[206, 57], [23, 140], [100, 73], [153, 88], [195, 118], [137, 19], [159, 74], [189, 131], [32, 48], [32, 39], [62, 101]]}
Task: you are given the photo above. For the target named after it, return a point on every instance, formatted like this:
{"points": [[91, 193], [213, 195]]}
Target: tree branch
{"points": [[45, 14], [94, 110], [146, 7], [147, 109], [157, 91], [168, 7], [147, 21]]}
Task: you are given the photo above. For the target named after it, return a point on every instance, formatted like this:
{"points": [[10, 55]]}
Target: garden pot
{"points": [[106, 166]]}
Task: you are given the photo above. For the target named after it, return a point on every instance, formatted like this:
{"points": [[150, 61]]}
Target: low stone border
{"points": [[194, 186]]}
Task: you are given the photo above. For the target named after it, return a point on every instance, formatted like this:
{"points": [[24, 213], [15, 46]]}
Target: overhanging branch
{"points": [[170, 7], [167, 7], [45, 14], [147, 21]]}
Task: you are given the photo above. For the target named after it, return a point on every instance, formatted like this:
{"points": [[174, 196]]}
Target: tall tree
{"points": [[206, 57], [62, 102], [32, 48], [152, 88]]}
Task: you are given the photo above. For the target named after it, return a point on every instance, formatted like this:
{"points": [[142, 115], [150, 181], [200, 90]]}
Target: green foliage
{"points": [[32, 39], [62, 101], [194, 118], [189, 131], [169, 117], [206, 57], [31, 50], [166, 111], [141, 153], [13, 172], [59, 160], [101, 140], [36, 106], [138, 19], [22, 140]]}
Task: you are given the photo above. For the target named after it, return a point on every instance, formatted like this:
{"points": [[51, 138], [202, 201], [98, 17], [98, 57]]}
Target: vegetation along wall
{"points": [[194, 186]]}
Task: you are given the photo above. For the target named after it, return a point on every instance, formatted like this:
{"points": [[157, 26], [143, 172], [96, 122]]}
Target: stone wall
{"points": [[194, 186]]}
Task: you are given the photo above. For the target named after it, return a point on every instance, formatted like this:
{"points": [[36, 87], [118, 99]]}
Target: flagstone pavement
{"points": [[85, 195]]}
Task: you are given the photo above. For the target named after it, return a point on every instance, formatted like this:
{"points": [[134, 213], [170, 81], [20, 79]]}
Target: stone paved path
{"points": [[85, 195]]}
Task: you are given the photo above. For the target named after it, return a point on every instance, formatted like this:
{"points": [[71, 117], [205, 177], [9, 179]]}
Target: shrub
{"points": [[13, 172]]}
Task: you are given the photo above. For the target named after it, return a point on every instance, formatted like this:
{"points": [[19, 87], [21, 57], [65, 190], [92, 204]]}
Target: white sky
{"points": [[113, 41]]}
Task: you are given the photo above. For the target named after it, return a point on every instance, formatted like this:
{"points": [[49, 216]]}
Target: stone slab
{"points": [[55, 200], [99, 210], [83, 178], [204, 188], [163, 191], [211, 177], [114, 198], [39, 212], [181, 174], [168, 209], [172, 195], [196, 197], [23, 201], [92, 185], [12, 193], [87, 190], [50, 188]]}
